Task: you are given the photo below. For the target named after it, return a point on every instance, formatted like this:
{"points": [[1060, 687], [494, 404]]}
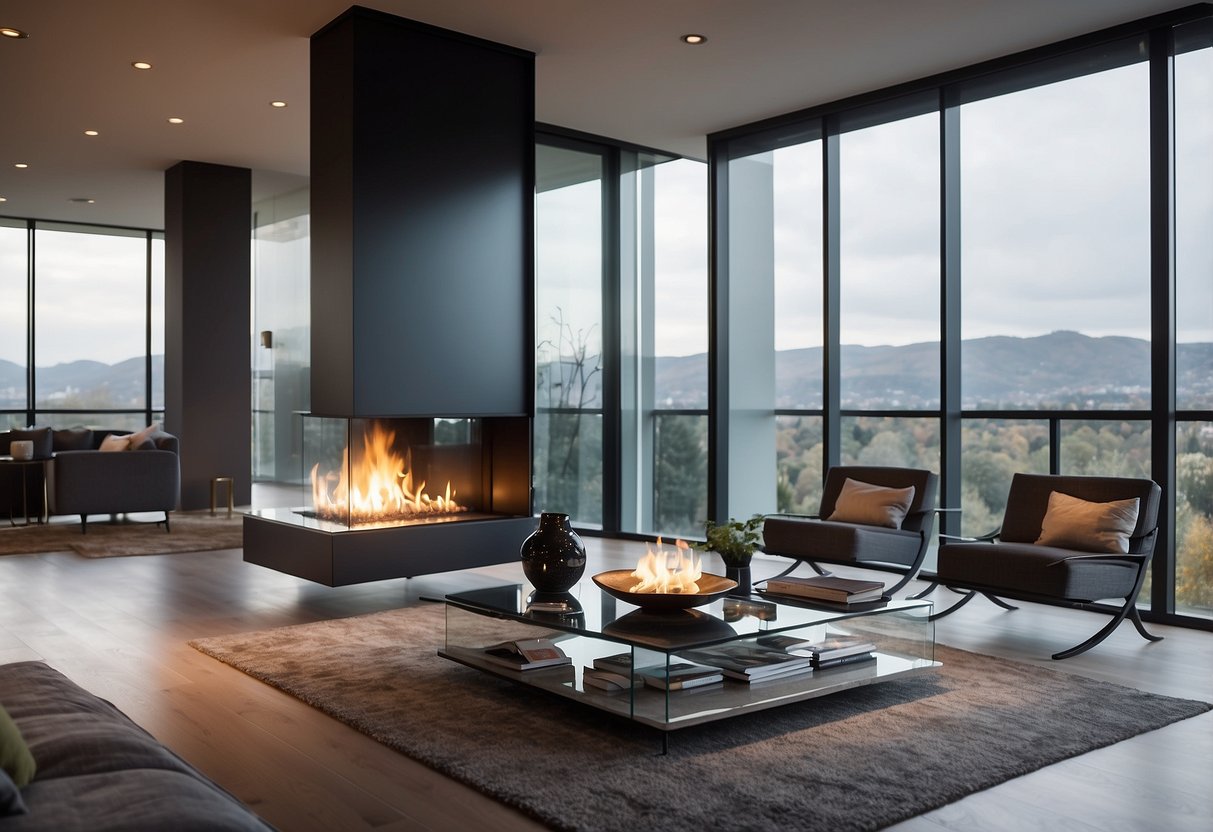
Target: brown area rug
{"points": [[191, 532], [857, 760]]}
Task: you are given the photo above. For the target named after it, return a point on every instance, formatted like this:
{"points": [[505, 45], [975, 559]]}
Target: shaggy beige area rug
{"points": [[857, 760], [191, 532]]}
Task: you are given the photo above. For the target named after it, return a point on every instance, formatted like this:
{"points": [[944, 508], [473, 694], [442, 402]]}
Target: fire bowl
{"points": [[617, 581]]}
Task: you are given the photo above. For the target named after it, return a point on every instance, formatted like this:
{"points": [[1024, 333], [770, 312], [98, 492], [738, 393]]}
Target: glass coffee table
{"points": [[588, 624]]}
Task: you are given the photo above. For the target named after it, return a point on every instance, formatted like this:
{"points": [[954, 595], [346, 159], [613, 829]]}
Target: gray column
{"points": [[207, 221]]}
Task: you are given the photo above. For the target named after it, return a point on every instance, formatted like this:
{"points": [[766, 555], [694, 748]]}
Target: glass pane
{"points": [[992, 452], [87, 360], [1105, 448], [568, 322], [157, 320], [122, 422], [889, 296], [680, 474], [799, 456], [280, 348], [1055, 261], [1193, 219], [797, 239], [680, 307], [1194, 519], [904, 442], [568, 465], [13, 312]]}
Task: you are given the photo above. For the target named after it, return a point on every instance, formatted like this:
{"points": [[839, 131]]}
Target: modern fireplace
{"points": [[422, 324], [390, 498]]}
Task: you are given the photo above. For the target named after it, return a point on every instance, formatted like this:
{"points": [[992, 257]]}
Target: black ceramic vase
{"points": [[553, 557]]}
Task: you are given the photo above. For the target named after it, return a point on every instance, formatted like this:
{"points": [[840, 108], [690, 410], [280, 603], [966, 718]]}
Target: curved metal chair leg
{"points": [[931, 588], [817, 568], [966, 599], [1141, 628], [895, 587], [1000, 602]]}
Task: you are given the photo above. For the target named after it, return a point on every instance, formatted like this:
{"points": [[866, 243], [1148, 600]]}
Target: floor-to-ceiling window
{"points": [[1194, 319], [1055, 272], [82, 321], [569, 275], [997, 285]]}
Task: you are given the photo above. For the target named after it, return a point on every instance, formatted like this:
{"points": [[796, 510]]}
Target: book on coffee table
{"points": [[832, 646], [680, 676], [526, 654], [827, 588], [749, 662], [609, 680]]}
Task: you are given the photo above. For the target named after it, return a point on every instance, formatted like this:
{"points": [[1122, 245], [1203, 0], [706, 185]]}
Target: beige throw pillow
{"points": [[1072, 523], [113, 442], [872, 505]]}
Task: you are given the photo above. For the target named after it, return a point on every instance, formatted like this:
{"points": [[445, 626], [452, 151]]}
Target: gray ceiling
{"points": [[610, 67]]}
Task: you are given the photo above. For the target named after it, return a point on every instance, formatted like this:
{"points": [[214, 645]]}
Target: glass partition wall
{"points": [[980, 273]]}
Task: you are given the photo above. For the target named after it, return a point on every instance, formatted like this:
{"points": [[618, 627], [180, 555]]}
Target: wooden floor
{"points": [[119, 627]]}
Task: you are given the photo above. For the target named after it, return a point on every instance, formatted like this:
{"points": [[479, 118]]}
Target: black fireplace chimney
{"points": [[422, 221]]}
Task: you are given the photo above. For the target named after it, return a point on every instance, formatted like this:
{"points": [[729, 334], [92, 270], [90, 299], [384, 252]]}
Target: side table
{"points": [[25, 465]]}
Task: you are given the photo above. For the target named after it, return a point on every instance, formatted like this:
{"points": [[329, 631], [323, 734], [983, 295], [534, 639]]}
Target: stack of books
{"points": [[827, 588], [611, 674], [834, 650], [680, 676], [752, 662], [527, 654]]}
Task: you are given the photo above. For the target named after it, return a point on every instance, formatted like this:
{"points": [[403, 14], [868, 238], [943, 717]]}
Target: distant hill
{"points": [[1059, 369], [83, 384]]}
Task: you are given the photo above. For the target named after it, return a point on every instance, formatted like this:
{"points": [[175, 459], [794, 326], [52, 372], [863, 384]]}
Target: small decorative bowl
{"points": [[618, 581]]}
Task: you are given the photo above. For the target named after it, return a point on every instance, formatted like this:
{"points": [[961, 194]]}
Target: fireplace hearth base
{"points": [[286, 541]]}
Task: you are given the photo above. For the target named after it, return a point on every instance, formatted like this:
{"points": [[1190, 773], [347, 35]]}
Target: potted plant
{"points": [[735, 541]]}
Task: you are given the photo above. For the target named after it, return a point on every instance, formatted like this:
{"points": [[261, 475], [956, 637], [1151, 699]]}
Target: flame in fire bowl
{"points": [[619, 582]]}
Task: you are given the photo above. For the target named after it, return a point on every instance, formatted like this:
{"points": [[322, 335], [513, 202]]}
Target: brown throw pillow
{"points": [[872, 505], [1073, 523]]}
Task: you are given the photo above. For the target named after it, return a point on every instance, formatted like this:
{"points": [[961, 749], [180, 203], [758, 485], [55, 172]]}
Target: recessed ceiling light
{"points": [[3, 199], [175, 120], [141, 65], [10, 32], [694, 40], [278, 104], [91, 133], [21, 165], [82, 199]]}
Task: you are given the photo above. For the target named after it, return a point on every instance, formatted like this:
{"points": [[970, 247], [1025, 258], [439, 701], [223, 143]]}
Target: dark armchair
{"points": [[890, 544], [1061, 551]]}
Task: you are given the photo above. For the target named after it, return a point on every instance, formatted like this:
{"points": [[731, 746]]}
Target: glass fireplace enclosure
{"points": [[381, 472]]}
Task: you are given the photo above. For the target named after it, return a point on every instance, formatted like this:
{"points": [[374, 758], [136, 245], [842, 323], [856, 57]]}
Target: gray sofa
{"points": [[97, 770], [84, 480]]}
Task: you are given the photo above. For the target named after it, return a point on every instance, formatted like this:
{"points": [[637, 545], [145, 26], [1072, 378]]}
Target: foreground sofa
{"points": [[97, 770], [83, 479]]}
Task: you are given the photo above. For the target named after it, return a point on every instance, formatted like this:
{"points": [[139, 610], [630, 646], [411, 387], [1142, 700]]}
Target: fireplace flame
{"points": [[668, 571], [379, 487]]}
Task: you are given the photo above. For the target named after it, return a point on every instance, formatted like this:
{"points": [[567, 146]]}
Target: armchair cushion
{"points": [[837, 542], [1035, 569], [872, 505], [1072, 523]]}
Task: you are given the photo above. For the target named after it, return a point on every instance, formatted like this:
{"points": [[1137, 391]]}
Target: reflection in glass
{"points": [[568, 465]]}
